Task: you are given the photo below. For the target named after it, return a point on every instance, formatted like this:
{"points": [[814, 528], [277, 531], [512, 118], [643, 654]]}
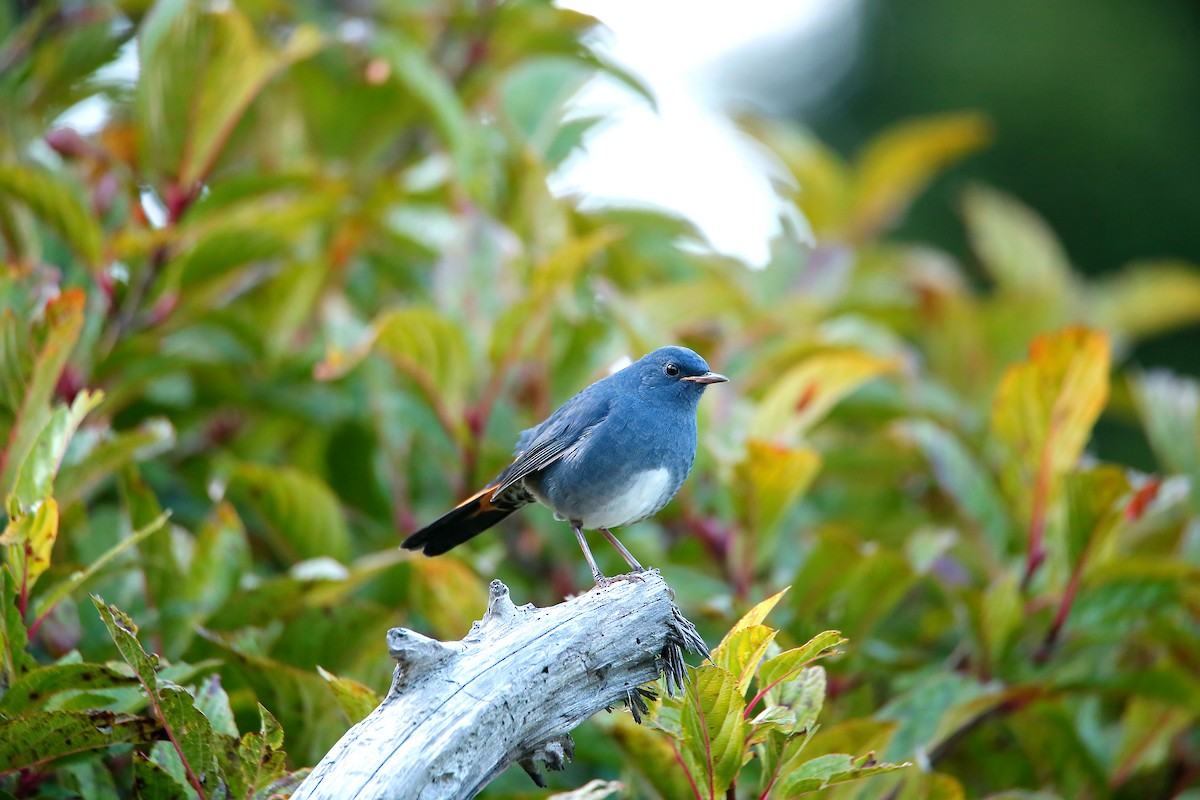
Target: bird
{"points": [[612, 455]]}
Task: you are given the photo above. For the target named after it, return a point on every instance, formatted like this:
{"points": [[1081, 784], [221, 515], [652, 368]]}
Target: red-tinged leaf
{"points": [[1141, 499], [1042, 416], [788, 665], [803, 395]]}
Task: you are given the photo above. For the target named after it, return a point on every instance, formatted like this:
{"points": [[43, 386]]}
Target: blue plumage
{"points": [[613, 454]]}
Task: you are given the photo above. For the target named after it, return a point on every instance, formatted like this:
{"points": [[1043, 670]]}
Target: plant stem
{"points": [[686, 772], [1037, 522]]}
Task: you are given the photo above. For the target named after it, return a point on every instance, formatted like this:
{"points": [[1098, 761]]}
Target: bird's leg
{"points": [[597, 576], [625, 554]]}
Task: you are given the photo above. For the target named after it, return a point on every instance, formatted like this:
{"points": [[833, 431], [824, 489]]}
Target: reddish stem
{"points": [[23, 598], [162, 718], [686, 772], [1037, 522]]}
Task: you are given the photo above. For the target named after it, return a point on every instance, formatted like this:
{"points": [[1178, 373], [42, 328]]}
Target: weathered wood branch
{"points": [[459, 713]]}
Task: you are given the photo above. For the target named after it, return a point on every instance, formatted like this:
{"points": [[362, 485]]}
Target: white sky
{"points": [[688, 157]]}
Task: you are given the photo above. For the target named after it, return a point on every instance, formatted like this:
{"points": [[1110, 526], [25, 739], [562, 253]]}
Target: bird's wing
{"points": [[566, 429]]}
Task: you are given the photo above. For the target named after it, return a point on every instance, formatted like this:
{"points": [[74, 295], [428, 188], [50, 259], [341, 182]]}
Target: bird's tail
{"points": [[470, 517]]}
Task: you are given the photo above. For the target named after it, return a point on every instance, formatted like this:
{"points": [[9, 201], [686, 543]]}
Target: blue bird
{"points": [[612, 455]]}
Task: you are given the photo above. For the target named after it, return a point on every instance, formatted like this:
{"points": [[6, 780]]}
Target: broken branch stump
{"points": [[459, 713]]}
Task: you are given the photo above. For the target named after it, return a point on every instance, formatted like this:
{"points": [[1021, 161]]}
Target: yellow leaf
{"points": [[448, 594], [897, 165], [770, 479], [30, 539], [1046, 406], [756, 615], [740, 652], [807, 392]]}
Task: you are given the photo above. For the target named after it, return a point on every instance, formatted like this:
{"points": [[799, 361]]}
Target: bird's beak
{"points": [[708, 377]]}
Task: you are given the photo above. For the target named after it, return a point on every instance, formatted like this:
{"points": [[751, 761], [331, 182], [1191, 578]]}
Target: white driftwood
{"points": [[459, 713]]}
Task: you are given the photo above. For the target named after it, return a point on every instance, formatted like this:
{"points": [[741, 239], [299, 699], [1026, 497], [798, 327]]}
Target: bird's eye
{"points": [[671, 370]]}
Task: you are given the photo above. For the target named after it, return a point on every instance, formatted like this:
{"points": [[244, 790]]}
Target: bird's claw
{"points": [[633, 577]]}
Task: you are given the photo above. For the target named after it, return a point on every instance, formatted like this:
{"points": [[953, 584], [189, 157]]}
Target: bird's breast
{"points": [[641, 495]]}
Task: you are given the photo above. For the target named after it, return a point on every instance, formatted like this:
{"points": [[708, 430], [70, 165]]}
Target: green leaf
{"points": [[1169, 406], [1002, 616], [1148, 729], [920, 710], [303, 700], [433, 89], [1146, 299], [44, 194], [76, 580], [202, 67], [355, 699], [427, 346], [109, 456], [220, 558], [238, 67], [1094, 508], [714, 731], [787, 665], [896, 165], [655, 758], [190, 732], [35, 477], [29, 390], [803, 695], [261, 757], [123, 632], [963, 478], [152, 782], [302, 515], [37, 686], [13, 636], [1016, 246], [31, 740], [831, 770], [1045, 408], [213, 702]]}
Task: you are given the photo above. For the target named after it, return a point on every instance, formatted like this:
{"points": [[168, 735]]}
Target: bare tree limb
{"points": [[459, 713]]}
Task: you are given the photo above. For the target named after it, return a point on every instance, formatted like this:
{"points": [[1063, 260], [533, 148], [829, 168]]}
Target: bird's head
{"points": [[675, 371]]}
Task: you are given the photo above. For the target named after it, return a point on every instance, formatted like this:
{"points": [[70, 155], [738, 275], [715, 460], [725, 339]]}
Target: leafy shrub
{"points": [[304, 284]]}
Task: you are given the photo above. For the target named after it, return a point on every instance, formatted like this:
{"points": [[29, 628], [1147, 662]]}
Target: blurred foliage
{"points": [[301, 286]]}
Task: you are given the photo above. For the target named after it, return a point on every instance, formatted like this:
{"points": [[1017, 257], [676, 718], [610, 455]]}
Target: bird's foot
{"points": [[636, 576]]}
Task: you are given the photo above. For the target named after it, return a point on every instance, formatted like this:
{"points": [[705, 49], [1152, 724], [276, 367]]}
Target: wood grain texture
{"points": [[459, 713]]}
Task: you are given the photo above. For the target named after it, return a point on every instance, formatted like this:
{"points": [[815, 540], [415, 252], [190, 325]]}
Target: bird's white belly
{"points": [[644, 497]]}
